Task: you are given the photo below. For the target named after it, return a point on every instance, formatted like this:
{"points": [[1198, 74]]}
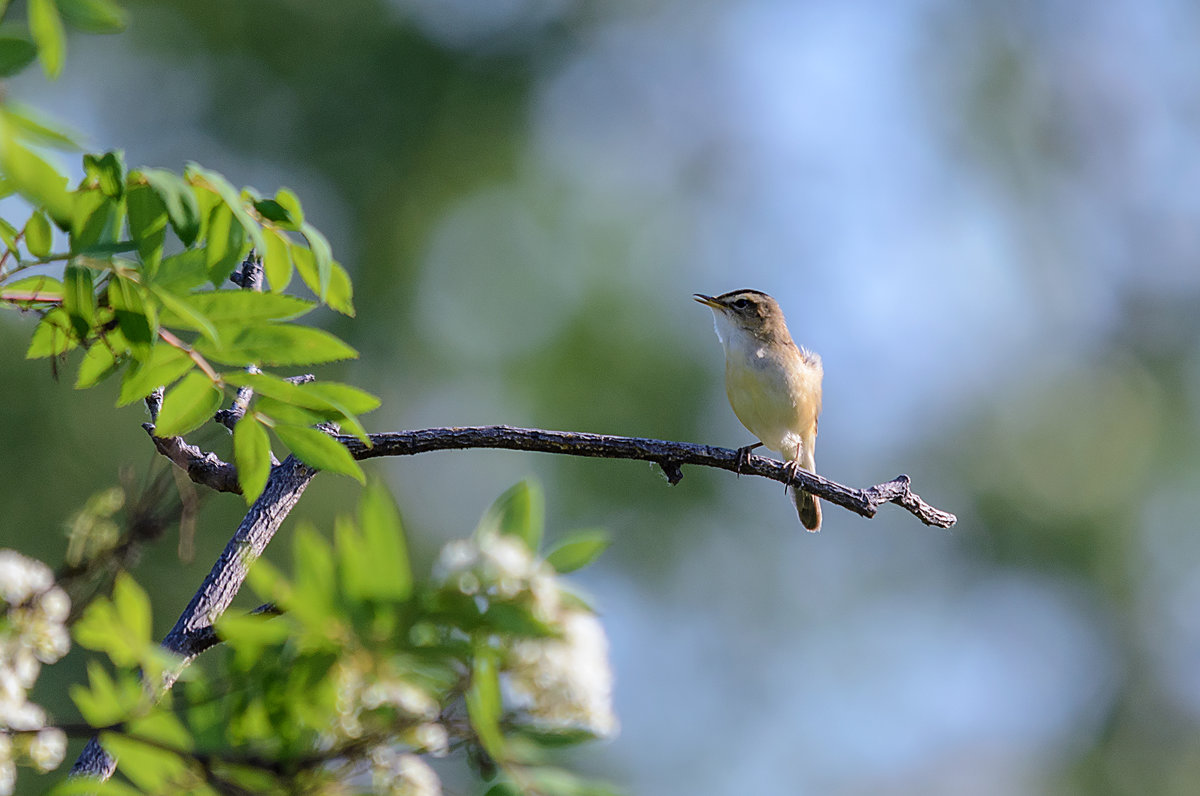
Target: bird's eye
{"points": [[741, 304]]}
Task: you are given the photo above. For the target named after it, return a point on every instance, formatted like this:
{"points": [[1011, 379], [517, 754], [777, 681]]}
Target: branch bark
{"points": [[667, 455]]}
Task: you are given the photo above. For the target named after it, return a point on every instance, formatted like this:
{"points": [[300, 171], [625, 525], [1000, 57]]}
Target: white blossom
{"points": [[566, 682], [48, 748], [433, 738], [21, 577], [402, 774]]}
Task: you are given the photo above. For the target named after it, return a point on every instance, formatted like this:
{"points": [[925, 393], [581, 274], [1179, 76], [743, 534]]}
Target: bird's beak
{"points": [[708, 300]]}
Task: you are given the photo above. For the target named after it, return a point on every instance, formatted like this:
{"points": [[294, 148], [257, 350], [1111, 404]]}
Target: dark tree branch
{"points": [[667, 455], [206, 469]]}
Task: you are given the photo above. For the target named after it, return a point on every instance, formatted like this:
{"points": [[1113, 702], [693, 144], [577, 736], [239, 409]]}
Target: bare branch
{"points": [[667, 455], [206, 469]]}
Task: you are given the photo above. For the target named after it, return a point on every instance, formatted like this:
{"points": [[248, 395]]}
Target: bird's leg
{"points": [[743, 458], [790, 467]]}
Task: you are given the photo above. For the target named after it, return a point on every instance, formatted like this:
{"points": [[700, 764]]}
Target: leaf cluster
{"points": [[130, 269]]}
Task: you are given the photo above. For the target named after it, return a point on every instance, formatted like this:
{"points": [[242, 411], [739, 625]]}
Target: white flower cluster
{"points": [[414, 709], [500, 567], [32, 632], [398, 773], [564, 682]]}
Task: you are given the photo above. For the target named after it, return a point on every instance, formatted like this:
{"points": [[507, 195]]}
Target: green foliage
{"points": [[358, 661], [168, 321]]}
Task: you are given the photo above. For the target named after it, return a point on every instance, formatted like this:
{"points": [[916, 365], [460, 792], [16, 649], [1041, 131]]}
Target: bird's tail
{"points": [[807, 505]]}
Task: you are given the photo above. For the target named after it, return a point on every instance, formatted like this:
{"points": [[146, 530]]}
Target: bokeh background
{"points": [[984, 215]]}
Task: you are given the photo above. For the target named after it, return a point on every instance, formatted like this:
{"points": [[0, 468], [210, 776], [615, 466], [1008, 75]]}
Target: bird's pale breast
{"points": [[775, 396]]}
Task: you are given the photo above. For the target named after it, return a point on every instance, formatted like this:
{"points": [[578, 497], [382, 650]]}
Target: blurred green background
{"points": [[983, 215]]}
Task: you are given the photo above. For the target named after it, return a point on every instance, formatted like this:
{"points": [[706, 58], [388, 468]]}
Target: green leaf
{"points": [[107, 170], [79, 299], [277, 261], [106, 701], [252, 454], [242, 306], [182, 309], [273, 211], [187, 406], [519, 512], [340, 295], [289, 414], [133, 608], [151, 768], [34, 178], [53, 336], [163, 727], [93, 16], [319, 450], [349, 399], [225, 244], [46, 27], [8, 234], [483, 700], [290, 203], [182, 209], [16, 53], [181, 272], [389, 576], [93, 220], [322, 258], [33, 127], [133, 318], [314, 576], [33, 289], [147, 223], [275, 344], [578, 550], [119, 628], [165, 365], [248, 634], [98, 363], [38, 236]]}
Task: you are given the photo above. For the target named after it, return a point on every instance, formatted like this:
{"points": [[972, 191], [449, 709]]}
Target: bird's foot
{"points": [[743, 457], [791, 468]]}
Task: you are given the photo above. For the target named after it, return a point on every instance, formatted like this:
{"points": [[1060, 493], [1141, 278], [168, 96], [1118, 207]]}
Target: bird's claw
{"points": [[791, 468], [743, 457]]}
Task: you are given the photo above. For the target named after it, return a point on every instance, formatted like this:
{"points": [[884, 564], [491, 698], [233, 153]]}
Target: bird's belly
{"points": [[765, 402]]}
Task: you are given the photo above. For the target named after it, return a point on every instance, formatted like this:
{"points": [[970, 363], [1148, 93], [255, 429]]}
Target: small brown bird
{"points": [[774, 386]]}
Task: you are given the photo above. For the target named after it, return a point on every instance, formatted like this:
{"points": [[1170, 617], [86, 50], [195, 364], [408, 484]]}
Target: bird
{"points": [[773, 385]]}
